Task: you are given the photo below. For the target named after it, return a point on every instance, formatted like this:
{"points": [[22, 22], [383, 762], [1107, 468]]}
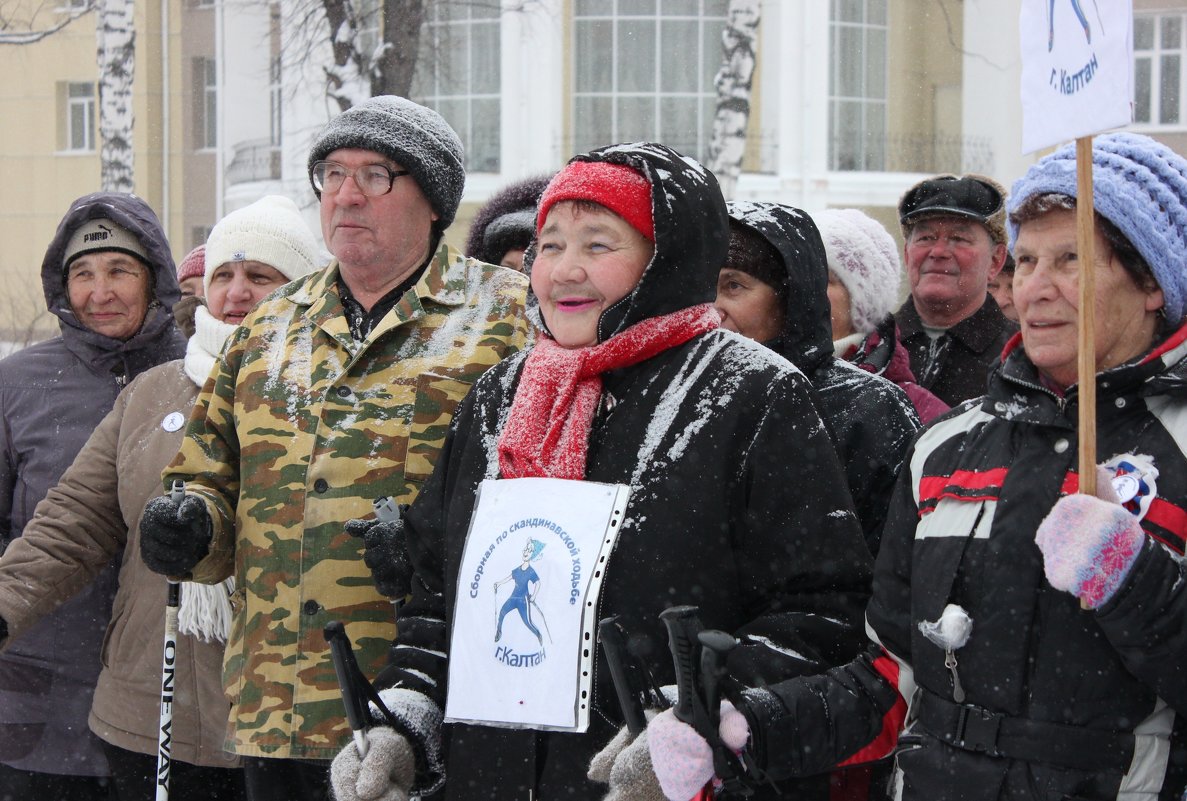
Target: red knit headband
{"points": [[619, 188]]}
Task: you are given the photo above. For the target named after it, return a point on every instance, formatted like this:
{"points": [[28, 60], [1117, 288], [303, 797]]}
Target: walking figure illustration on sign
{"points": [[1051, 22], [523, 594]]}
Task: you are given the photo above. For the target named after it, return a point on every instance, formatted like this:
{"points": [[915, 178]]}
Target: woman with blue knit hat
{"points": [[1028, 640]]}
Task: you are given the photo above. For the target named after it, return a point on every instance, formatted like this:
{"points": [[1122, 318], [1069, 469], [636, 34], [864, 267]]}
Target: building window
{"points": [[644, 70], [461, 76], [77, 130], [857, 84], [1158, 69], [205, 104]]}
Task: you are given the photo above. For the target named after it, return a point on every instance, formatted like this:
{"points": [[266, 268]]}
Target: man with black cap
{"points": [[336, 390], [954, 229], [109, 278]]}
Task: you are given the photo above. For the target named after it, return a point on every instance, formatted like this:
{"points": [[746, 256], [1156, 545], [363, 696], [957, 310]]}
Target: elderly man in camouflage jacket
{"points": [[336, 390]]}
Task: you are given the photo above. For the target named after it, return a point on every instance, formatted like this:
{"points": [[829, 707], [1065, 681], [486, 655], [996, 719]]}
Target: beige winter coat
{"points": [[85, 520]]}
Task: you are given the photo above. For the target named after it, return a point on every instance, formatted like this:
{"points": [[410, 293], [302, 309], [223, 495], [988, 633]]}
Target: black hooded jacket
{"points": [[871, 420], [768, 547], [1062, 702], [507, 221], [52, 395]]}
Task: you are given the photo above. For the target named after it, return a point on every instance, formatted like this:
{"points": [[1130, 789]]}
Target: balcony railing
{"points": [[890, 152], [254, 160]]}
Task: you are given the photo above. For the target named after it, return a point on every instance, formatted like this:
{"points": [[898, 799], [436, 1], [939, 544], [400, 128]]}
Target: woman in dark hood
{"points": [[632, 383], [505, 226], [778, 249], [52, 395]]}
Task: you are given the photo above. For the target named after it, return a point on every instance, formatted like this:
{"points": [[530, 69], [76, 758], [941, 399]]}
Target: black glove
{"points": [[174, 536], [386, 553]]}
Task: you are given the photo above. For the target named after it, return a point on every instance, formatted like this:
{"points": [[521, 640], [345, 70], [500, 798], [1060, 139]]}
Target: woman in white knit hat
{"points": [[94, 513], [863, 289], [249, 253]]}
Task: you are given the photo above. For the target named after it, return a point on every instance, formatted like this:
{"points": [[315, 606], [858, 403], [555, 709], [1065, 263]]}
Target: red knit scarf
{"points": [[547, 431]]}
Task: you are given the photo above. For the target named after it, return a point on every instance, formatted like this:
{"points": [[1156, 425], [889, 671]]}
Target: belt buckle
{"points": [[977, 729]]}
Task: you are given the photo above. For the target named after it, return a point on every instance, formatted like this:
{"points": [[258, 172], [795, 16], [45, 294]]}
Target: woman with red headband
{"points": [[736, 501]]}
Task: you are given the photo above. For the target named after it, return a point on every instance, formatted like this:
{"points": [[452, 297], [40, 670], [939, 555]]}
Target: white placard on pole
{"points": [[525, 615], [1077, 69]]}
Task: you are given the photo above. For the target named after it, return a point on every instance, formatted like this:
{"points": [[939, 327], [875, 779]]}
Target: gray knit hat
{"points": [[1140, 186], [415, 137]]}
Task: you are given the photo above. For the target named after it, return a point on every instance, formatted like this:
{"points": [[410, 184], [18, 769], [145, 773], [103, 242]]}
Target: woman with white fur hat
{"points": [[1063, 673], [94, 512], [863, 289]]}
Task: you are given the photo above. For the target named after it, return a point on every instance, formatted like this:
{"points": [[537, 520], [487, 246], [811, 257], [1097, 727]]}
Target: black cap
{"points": [[968, 197]]}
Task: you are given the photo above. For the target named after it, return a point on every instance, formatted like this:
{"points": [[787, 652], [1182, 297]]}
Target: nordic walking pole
{"points": [[345, 667], [168, 672]]}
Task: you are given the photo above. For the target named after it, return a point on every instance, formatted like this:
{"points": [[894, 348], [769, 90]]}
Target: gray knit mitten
{"points": [[625, 764], [385, 774]]}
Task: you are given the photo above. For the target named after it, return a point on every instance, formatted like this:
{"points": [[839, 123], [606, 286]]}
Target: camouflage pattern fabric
{"points": [[297, 430]]}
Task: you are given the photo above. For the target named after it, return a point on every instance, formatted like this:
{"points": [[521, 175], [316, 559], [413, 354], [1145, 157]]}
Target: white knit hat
{"points": [[270, 231], [864, 256]]}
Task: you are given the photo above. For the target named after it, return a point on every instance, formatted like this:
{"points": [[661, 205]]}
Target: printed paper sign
{"points": [[1077, 69], [523, 641]]}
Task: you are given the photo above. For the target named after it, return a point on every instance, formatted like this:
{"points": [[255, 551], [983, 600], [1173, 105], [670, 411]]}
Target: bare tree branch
{"points": [[24, 319], [958, 46], [10, 37]]}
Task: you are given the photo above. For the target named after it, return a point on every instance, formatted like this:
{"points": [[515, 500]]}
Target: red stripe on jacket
{"points": [[962, 485], [892, 721]]}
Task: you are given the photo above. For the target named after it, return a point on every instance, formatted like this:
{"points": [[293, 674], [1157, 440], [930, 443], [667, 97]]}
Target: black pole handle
{"points": [[684, 624], [342, 655], [630, 694]]}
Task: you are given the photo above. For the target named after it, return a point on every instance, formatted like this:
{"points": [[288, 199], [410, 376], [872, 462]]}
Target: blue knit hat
{"points": [[1140, 186]]}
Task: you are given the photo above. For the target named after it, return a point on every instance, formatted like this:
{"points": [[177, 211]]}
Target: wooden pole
{"points": [[1086, 362]]}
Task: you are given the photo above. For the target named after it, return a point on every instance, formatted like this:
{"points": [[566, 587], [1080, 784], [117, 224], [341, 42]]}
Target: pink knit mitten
{"points": [[1088, 546], [681, 759]]}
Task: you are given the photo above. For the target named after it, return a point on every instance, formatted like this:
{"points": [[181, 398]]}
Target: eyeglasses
{"points": [[372, 180]]}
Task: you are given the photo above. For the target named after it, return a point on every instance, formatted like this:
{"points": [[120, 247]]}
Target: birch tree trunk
{"points": [[348, 80], [739, 42], [115, 30]]}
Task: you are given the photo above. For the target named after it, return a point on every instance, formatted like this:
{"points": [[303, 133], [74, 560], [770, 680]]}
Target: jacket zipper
{"points": [[1062, 403]]}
